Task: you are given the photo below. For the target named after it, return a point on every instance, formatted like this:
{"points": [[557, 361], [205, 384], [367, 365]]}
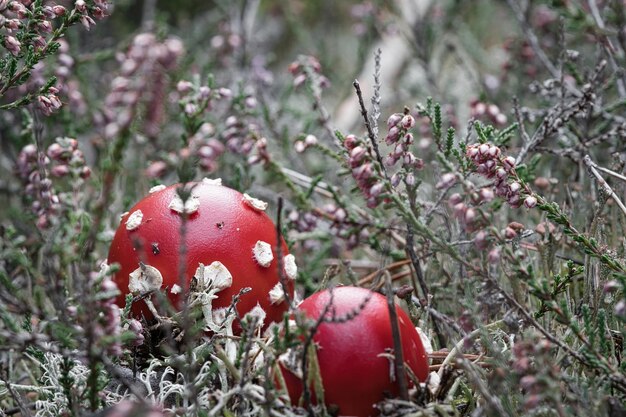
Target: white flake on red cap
{"points": [[134, 220], [263, 253]]}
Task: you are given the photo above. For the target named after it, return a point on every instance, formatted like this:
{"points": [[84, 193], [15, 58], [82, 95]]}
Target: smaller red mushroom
{"points": [[230, 245], [353, 350]]}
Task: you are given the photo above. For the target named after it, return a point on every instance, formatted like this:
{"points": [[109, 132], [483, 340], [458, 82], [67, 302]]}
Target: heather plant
{"points": [[464, 158]]}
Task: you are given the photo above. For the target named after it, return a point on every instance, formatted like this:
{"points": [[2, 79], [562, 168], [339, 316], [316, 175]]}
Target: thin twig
{"points": [[605, 186], [370, 132]]}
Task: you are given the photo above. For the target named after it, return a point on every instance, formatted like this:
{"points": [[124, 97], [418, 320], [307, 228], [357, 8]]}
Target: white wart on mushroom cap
{"points": [[263, 254], [144, 279]]}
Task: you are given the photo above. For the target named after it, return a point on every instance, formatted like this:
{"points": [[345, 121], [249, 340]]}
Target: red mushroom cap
{"points": [[354, 374], [226, 231]]}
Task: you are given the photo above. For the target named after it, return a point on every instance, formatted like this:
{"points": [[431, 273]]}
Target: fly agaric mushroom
{"points": [[229, 245], [356, 373]]}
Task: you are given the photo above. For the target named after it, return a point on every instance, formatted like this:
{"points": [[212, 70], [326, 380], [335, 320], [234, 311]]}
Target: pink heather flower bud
{"points": [[459, 210], [486, 195], [298, 80], [514, 200], [39, 41], [501, 173], [30, 151], [85, 172], [447, 180], [472, 152], [12, 24], [60, 170], [395, 180], [408, 121], [136, 327], [493, 110], [470, 216], [44, 26], [12, 45], [408, 139], [409, 159], [58, 10], [510, 233], [390, 160], [399, 150], [363, 172], [515, 187], [350, 142], [376, 189], [494, 255], [394, 119], [508, 163], [410, 179], [494, 151], [156, 169], [481, 240], [19, 9], [392, 135], [530, 202], [310, 140], [482, 169], [501, 119], [357, 154], [455, 199], [80, 6], [299, 146], [340, 215], [479, 108], [483, 149]]}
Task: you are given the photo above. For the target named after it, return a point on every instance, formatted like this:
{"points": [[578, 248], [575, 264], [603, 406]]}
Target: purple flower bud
{"points": [[395, 179], [60, 170], [508, 163], [390, 160], [408, 121], [58, 10], [408, 139], [357, 154], [12, 45], [447, 180], [530, 202], [501, 173], [394, 119], [494, 255], [472, 152], [392, 135], [470, 216], [493, 110], [514, 200], [409, 159], [459, 210], [510, 233], [483, 149], [310, 140], [455, 199], [515, 187], [500, 119], [350, 142], [299, 146], [376, 189], [398, 150], [486, 195], [481, 240], [410, 179]]}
